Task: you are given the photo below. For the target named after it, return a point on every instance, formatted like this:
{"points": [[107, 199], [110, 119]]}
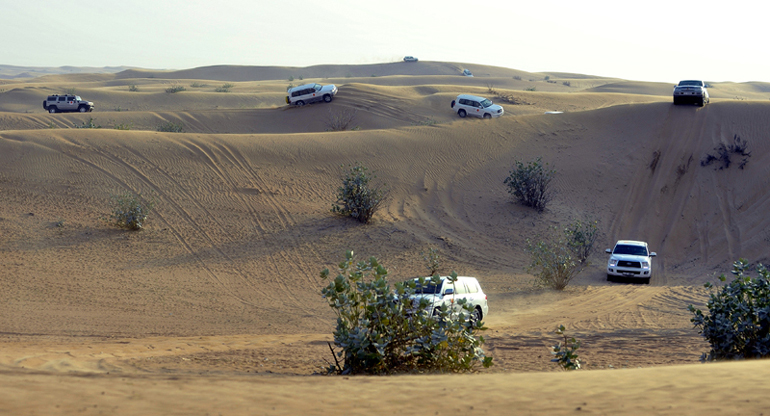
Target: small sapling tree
{"points": [[564, 353]]}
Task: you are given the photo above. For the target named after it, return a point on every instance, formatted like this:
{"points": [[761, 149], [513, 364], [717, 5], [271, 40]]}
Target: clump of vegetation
{"points": [[517, 78], [530, 183], [198, 85], [530, 89], [547, 77], [738, 323], [225, 87], [129, 211], [124, 126], [341, 120], [553, 261], [357, 197], [724, 152], [426, 122], [88, 124], [432, 260], [566, 83], [171, 127], [291, 78], [581, 236], [381, 329], [70, 91], [133, 88], [290, 86], [564, 353], [491, 88], [175, 88]]}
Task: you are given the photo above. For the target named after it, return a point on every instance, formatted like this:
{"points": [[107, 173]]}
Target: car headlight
{"points": [[613, 262], [645, 265]]}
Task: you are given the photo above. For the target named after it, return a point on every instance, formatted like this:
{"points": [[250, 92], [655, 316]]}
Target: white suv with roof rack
{"points": [[310, 93], [630, 259], [481, 107], [68, 102]]}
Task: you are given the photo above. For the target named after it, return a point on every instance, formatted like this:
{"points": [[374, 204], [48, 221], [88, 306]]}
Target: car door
{"points": [[71, 103]]}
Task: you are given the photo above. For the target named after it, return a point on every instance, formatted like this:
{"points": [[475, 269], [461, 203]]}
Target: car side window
{"points": [[62, 99], [460, 288], [473, 287]]}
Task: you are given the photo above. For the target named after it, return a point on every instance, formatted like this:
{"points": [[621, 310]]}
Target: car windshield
{"points": [[77, 98], [631, 250], [486, 103], [694, 83], [427, 289], [317, 87]]}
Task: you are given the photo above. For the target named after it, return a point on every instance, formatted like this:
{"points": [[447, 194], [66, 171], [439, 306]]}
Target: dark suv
{"points": [[61, 103]]}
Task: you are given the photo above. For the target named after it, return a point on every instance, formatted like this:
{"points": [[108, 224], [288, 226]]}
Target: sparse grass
{"points": [[426, 122], [171, 127], [88, 125], [175, 89], [124, 126], [341, 120], [225, 88], [198, 85]]}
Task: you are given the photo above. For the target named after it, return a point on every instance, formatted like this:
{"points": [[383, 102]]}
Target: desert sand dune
{"points": [[216, 305]]}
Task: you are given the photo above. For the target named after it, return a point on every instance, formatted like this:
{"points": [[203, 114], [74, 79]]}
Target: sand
{"points": [[215, 307]]}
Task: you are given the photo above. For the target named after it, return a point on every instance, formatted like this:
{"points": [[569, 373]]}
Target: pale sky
{"points": [[652, 40]]}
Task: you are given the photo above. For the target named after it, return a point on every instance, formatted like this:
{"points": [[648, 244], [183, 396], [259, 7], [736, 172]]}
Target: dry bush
{"points": [[340, 120]]}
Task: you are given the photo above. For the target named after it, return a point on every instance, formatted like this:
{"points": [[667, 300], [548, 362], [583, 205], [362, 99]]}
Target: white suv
{"points": [[691, 91], [472, 105], [448, 293], [309, 93], [630, 259], [61, 103]]}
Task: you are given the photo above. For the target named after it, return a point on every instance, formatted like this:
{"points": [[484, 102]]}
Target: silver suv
{"points": [[448, 293], [61, 103], [691, 91], [309, 93], [630, 259]]}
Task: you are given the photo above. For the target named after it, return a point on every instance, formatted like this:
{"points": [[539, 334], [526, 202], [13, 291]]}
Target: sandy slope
{"points": [[223, 282]]}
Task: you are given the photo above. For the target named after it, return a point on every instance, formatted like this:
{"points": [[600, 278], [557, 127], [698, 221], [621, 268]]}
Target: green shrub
{"points": [[129, 211], [88, 125], [432, 260], [382, 330], [738, 323], [171, 127], [530, 183], [553, 262], [124, 126], [198, 85], [291, 78], [547, 77], [133, 88], [357, 197], [566, 83], [175, 88], [530, 88], [224, 88], [581, 236], [564, 353]]}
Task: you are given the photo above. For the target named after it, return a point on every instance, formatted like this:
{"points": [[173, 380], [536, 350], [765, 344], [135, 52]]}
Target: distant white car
{"points": [[691, 91], [448, 293], [410, 59], [630, 259], [481, 107], [310, 93], [467, 72]]}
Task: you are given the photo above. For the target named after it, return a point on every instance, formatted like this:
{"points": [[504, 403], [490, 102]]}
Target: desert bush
{"points": [[175, 88], [547, 77], [133, 88], [566, 83], [724, 152], [382, 330], [88, 124], [129, 211], [290, 86], [491, 88], [530, 89], [738, 322], [170, 127], [432, 260], [291, 78], [198, 85], [224, 88], [580, 237], [358, 197], [124, 126], [340, 120], [564, 353], [517, 78], [553, 262], [530, 183]]}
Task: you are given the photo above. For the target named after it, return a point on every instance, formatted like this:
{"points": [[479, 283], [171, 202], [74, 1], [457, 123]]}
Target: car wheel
{"points": [[609, 277], [475, 316], [82, 109], [676, 101], [327, 98], [487, 115], [701, 102], [461, 113], [646, 281], [300, 103], [51, 109]]}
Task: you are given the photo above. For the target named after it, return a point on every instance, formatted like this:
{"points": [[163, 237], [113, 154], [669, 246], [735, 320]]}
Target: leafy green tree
{"points": [[738, 323], [384, 329]]}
